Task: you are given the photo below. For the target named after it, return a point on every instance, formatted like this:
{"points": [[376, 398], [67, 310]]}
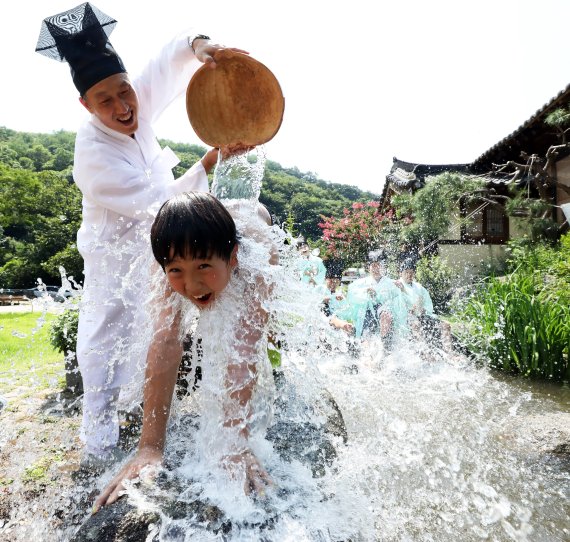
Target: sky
{"points": [[435, 82]]}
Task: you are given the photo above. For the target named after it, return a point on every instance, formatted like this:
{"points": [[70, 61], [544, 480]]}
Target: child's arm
{"points": [[240, 380], [163, 360]]}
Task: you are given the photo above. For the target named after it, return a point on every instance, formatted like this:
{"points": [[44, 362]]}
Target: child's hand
{"points": [[256, 477], [144, 457]]}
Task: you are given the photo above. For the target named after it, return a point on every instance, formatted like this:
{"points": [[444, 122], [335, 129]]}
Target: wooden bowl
{"points": [[237, 103]]}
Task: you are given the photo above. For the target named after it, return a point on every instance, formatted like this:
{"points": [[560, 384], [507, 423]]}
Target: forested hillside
{"points": [[40, 206]]}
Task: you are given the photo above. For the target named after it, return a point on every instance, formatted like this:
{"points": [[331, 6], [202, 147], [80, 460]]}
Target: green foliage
{"points": [[552, 263], [430, 210], [9, 156], [537, 214], [40, 208], [39, 215], [289, 226], [438, 279], [68, 258], [63, 331], [521, 322], [560, 120]]}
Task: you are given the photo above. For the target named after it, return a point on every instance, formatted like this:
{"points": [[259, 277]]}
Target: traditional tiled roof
{"points": [[533, 136], [411, 176]]}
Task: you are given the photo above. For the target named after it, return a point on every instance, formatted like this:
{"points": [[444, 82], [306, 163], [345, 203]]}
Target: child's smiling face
{"points": [[200, 280]]}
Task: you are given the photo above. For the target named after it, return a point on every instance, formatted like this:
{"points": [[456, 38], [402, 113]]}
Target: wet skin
{"points": [[200, 280]]}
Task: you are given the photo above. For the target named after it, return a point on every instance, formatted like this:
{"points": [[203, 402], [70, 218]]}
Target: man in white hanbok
{"points": [[124, 177]]}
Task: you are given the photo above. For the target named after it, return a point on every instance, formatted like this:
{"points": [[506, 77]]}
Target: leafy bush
{"points": [[63, 333], [362, 228], [63, 337], [430, 210], [521, 322], [438, 279]]}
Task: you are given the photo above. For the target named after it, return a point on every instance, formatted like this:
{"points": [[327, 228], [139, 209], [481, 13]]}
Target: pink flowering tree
{"points": [[362, 228]]}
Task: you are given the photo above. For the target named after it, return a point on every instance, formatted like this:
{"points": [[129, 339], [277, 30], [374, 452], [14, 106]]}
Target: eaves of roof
{"points": [[559, 100]]}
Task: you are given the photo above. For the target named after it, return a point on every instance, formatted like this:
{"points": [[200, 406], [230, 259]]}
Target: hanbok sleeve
{"points": [[166, 77], [426, 300], [108, 179]]}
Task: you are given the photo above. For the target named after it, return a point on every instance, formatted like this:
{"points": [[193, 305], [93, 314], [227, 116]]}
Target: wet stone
{"points": [[121, 522], [311, 444]]}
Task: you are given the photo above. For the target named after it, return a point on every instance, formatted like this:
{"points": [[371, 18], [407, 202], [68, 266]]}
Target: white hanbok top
{"points": [[124, 180]]}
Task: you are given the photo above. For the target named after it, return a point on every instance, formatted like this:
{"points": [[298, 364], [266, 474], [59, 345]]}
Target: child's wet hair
{"points": [[194, 225]]}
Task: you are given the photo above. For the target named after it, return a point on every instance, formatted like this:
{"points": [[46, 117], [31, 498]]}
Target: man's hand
{"points": [[339, 323], [233, 150], [207, 52], [145, 457], [210, 159]]}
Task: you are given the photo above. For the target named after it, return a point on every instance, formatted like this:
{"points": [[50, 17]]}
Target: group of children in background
{"points": [[375, 305]]}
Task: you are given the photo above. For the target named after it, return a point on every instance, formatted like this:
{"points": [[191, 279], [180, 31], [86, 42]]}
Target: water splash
{"points": [[239, 177], [430, 453]]}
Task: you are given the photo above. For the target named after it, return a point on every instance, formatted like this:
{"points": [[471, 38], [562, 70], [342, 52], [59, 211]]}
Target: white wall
{"points": [[469, 260]]}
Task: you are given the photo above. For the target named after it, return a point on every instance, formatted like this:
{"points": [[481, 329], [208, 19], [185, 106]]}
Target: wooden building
{"points": [[535, 148]]}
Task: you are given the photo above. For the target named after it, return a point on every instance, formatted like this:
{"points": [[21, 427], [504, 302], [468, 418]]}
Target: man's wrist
{"points": [[195, 37]]}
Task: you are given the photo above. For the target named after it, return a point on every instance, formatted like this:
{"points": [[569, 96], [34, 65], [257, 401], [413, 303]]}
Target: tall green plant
{"points": [[517, 329]]}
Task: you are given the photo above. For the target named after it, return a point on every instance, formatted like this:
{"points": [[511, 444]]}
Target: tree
{"points": [[428, 212], [363, 227], [42, 225], [533, 176], [39, 156]]}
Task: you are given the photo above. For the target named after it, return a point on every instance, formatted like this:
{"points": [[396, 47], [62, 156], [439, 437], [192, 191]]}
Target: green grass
{"points": [[27, 358]]}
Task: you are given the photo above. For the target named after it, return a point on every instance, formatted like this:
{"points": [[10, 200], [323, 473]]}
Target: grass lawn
{"points": [[27, 358]]}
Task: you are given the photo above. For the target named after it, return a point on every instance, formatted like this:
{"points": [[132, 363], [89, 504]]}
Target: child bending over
{"points": [[195, 241]]}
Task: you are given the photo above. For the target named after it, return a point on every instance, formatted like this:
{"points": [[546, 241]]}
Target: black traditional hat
{"points": [[408, 263], [377, 256], [80, 37], [333, 269]]}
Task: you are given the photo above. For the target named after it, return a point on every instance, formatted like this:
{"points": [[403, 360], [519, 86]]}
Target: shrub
{"points": [[63, 337], [521, 322], [63, 332], [438, 279]]}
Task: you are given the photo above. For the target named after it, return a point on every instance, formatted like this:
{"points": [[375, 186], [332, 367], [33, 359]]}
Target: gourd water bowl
{"points": [[237, 103]]}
